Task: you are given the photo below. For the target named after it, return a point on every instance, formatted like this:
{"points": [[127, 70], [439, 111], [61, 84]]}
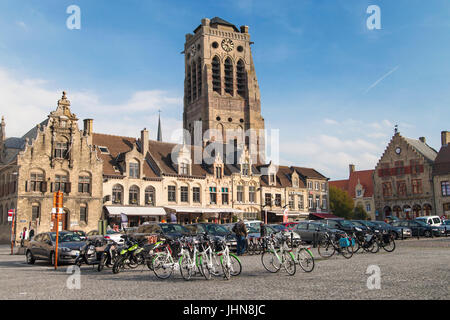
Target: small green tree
{"points": [[341, 204], [359, 213]]}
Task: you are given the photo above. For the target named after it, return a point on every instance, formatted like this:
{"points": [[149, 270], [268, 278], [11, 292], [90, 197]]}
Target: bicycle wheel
{"points": [[185, 266], [375, 247], [347, 252], [162, 266], [236, 267], [270, 261], [389, 247], [226, 266], [289, 262], [305, 259], [205, 266], [326, 248], [216, 265]]}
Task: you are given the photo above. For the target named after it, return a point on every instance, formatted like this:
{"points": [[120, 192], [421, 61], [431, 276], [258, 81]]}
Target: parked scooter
{"points": [[109, 255], [90, 253]]}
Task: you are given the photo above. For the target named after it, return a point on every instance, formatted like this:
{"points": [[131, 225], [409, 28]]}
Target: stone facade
{"points": [[403, 179], [55, 155], [441, 177]]}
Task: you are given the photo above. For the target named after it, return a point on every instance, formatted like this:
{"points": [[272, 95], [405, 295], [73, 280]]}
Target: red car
{"points": [[289, 225]]}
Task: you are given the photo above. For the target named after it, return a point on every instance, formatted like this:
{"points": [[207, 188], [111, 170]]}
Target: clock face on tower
{"points": [[227, 45], [398, 150]]}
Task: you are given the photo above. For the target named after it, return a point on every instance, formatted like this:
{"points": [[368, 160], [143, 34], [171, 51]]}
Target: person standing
{"points": [[23, 236], [241, 233]]}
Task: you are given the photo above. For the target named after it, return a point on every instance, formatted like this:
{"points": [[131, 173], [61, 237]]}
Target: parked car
{"points": [[307, 229], [165, 230], [446, 226], [289, 225], [434, 221], [43, 245], [215, 230], [110, 235], [396, 231], [284, 230], [81, 233], [391, 219], [253, 223], [420, 228], [344, 225]]}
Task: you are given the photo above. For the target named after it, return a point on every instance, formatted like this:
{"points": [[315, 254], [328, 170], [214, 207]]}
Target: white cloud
{"points": [[25, 102]]}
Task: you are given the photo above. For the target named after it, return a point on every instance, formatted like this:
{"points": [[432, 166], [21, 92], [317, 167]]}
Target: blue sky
{"points": [[334, 88]]}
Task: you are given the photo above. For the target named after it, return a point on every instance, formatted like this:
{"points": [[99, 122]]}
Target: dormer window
{"points": [[359, 193], [219, 172], [295, 183], [134, 170], [184, 169], [245, 169], [271, 178], [103, 150]]}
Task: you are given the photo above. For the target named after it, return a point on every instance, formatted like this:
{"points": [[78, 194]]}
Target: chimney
{"points": [[144, 141], [244, 29], [88, 126], [422, 139], [445, 137], [351, 168]]}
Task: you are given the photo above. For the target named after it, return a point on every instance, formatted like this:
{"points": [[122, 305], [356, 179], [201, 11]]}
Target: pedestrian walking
{"points": [[31, 234], [241, 233], [23, 236]]}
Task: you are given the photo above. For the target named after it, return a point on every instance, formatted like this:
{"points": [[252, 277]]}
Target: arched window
{"points": [[199, 77], [188, 84], [216, 75], [150, 196], [228, 68], [117, 193], [134, 195], [35, 211], [240, 78]]}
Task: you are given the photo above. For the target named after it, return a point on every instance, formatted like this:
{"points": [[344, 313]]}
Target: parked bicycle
{"points": [[278, 255], [330, 244]]}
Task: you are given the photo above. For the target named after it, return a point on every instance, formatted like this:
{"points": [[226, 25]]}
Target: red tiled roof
{"points": [[365, 177]]}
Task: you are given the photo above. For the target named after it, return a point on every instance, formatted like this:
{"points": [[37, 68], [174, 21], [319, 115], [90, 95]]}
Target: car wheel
{"points": [[396, 236], [427, 233], [30, 258]]}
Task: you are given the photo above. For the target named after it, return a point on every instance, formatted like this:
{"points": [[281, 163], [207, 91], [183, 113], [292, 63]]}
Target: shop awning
{"points": [[136, 211], [179, 209], [324, 215], [290, 213]]}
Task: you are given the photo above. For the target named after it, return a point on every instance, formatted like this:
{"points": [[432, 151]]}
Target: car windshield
{"points": [[173, 228], [216, 229], [346, 223], [278, 227], [111, 232], [252, 230], [66, 237]]}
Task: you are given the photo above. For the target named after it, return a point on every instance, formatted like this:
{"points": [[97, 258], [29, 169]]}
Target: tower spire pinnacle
{"points": [[159, 127]]}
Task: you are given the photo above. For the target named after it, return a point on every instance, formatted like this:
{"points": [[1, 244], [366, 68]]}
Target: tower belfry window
{"points": [[240, 78], [216, 75], [194, 81], [199, 77], [228, 67], [188, 84]]}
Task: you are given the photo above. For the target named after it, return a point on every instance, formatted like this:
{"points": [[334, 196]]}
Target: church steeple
{"points": [[159, 128]]}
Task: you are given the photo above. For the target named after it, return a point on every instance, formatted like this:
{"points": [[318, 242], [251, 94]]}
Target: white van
{"points": [[433, 221]]}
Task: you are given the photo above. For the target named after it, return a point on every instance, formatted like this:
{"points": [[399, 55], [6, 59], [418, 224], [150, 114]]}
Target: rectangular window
{"points": [[291, 202], [445, 187], [387, 189], [416, 186], [61, 150], [324, 203], [401, 188], [218, 172], [245, 169], [240, 193], [196, 194], [184, 194], [224, 195], [212, 195], [416, 167], [60, 183], [324, 186], [252, 194], [278, 200], [317, 202], [268, 199], [184, 169], [35, 213], [83, 214], [36, 182], [310, 185], [317, 186], [300, 202], [134, 170], [84, 184], [368, 208], [172, 193], [310, 201], [399, 168]]}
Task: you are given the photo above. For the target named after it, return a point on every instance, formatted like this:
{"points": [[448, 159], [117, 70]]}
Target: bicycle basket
{"points": [[344, 242]]}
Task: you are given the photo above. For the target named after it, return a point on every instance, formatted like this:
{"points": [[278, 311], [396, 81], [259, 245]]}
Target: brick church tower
{"points": [[221, 88]]}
